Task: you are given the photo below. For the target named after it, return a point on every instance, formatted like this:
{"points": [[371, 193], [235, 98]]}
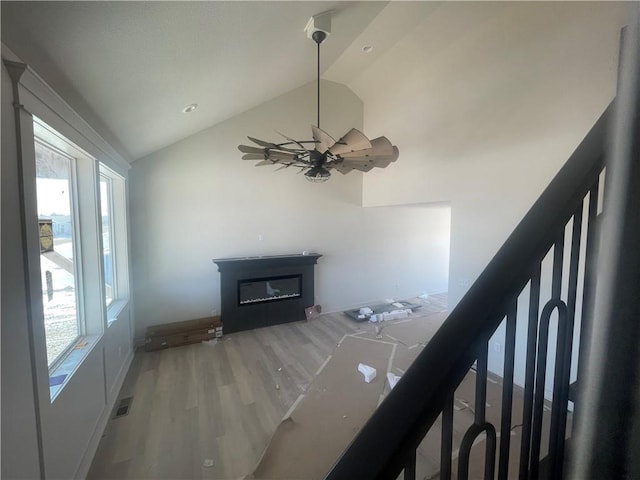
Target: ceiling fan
{"points": [[317, 157]]}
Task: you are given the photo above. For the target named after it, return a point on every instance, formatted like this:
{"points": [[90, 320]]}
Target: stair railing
{"points": [[565, 213]]}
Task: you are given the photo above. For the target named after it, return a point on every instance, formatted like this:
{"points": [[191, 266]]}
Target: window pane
{"points": [[57, 250], [107, 238]]}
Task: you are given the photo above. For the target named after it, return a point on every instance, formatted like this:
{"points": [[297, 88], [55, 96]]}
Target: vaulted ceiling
{"points": [[133, 66]]}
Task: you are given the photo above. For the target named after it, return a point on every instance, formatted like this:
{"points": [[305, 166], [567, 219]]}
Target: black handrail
{"points": [[387, 442]]}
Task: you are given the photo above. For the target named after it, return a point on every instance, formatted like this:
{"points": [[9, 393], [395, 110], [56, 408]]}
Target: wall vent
{"points": [[123, 407]]}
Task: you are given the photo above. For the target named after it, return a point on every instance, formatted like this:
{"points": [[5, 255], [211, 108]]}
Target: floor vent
{"points": [[123, 407]]}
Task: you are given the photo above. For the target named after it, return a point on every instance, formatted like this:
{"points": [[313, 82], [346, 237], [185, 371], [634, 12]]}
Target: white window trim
{"points": [[48, 138], [112, 233], [119, 242], [85, 195]]}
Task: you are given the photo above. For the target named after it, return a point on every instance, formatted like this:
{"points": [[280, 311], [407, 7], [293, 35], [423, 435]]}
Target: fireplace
{"points": [[261, 291]]}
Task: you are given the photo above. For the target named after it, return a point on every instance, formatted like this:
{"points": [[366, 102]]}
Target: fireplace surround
{"points": [[262, 291]]}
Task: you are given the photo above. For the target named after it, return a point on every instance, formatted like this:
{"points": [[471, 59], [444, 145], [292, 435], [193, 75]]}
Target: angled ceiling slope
{"points": [[136, 65]]}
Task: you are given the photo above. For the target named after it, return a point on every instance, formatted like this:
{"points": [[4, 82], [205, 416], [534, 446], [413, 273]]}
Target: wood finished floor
{"points": [[223, 403], [218, 402]]}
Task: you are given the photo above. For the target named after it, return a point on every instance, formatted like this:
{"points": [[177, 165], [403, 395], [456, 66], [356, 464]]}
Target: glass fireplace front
{"points": [[269, 289]]}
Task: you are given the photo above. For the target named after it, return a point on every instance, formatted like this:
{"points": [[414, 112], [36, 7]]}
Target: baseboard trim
{"points": [[138, 343], [101, 425]]}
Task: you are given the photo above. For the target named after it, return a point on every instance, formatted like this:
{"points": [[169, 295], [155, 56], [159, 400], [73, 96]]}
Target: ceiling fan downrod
{"points": [[318, 36]]}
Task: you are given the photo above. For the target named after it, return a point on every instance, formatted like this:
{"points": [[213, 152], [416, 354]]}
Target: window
{"points": [[76, 279], [106, 207], [114, 240], [81, 206], [57, 221]]}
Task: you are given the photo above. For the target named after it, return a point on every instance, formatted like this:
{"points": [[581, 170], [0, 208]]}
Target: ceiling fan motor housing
{"points": [[317, 158]]}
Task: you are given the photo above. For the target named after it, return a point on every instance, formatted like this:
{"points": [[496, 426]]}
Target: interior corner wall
{"points": [[196, 200], [487, 101]]}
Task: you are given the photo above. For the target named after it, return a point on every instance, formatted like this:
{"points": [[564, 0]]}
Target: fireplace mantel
{"points": [[244, 263], [278, 272]]}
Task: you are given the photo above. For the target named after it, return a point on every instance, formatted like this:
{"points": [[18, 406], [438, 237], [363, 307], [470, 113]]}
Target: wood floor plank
{"points": [[240, 372]]}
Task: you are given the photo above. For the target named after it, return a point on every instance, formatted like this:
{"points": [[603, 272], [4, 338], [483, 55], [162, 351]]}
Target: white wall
{"points": [[197, 200], [71, 425], [488, 100], [19, 433]]}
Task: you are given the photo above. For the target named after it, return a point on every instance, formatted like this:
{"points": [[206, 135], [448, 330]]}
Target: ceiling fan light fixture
{"points": [[317, 174]]}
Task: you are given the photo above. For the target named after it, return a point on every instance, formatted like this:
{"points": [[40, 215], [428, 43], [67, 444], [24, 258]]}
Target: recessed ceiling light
{"points": [[190, 108], [367, 49]]}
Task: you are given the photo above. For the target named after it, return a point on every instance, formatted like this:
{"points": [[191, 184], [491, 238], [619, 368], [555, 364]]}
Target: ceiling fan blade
{"points": [[248, 149], [363, 167], [263, 143], [360, 157], [380, 146], [381, 163], [271, 145], [291, 140], [323, 140], [342, 168], [373, 159], [266, 153], [253, 156], [354, 140], [275, 155], [396, 154], [264, 162]]}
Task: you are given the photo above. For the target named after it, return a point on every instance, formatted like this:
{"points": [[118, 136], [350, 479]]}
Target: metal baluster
{"points": [[555, 426], [563, 362], [556, 291], [481, 385], [481, 409], [530, 371], [558, 258], [588, 288], [490, 450], [410, 466], [507, 390], [480, 424], [541, 368], [446, 444]]}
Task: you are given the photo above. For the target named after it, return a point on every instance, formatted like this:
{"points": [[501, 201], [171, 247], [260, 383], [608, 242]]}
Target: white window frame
{"points": [[34, 98], [114, 278], [85, 197], [44, 137], [119, 244]]}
